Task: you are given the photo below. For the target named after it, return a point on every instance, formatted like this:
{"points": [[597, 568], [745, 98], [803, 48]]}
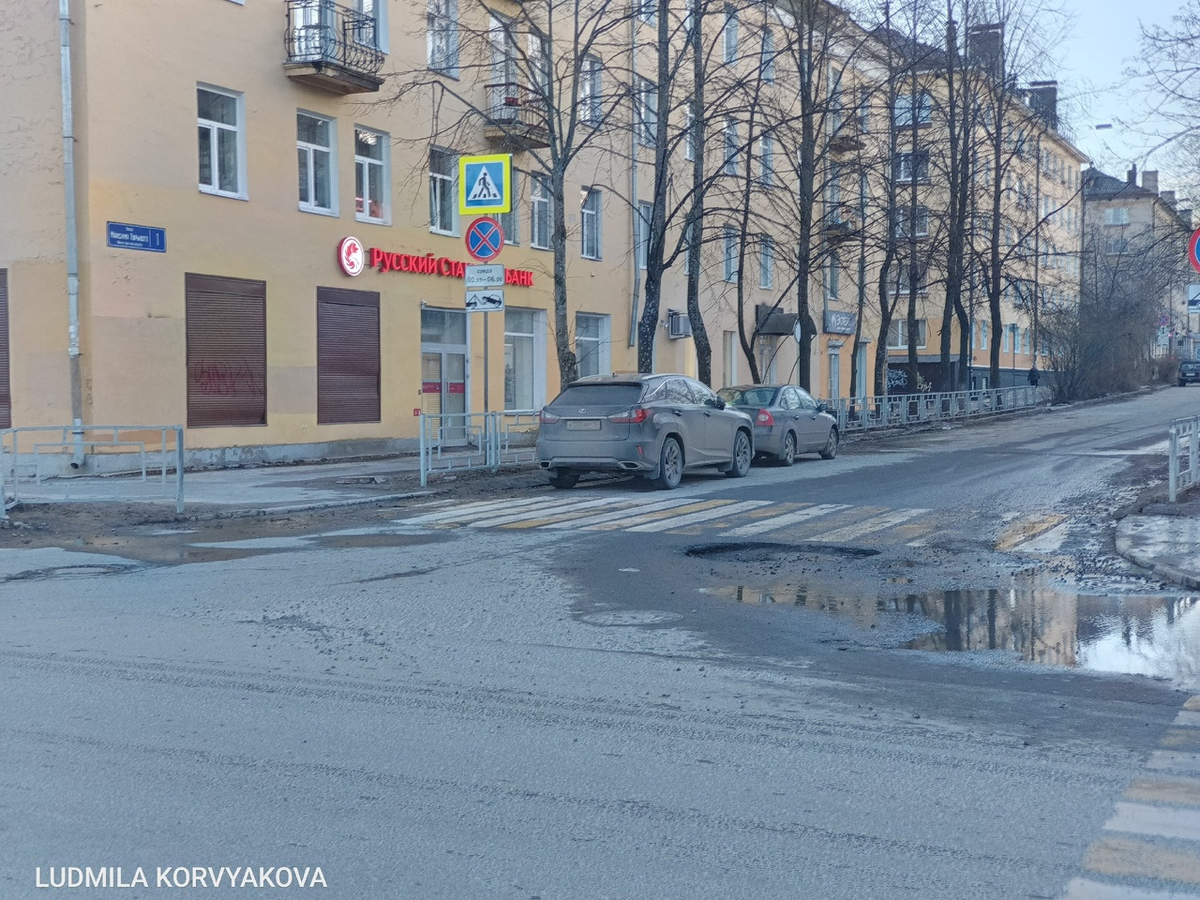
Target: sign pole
{"points": [[487, 407]]}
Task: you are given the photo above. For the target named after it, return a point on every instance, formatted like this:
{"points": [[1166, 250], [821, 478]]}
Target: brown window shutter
{"points": [[226, 351], [5, 388], [347, 356]]}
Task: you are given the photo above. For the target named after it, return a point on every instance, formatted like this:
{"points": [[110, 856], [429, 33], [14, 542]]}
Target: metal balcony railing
{"points": [[513, 104], [321, 33]]}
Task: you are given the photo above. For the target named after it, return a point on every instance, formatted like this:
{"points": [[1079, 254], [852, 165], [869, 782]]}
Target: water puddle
{"points": [[1130, 633]]}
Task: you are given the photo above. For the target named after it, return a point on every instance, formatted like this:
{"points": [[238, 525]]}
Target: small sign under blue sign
{"points": [[137, 237]]}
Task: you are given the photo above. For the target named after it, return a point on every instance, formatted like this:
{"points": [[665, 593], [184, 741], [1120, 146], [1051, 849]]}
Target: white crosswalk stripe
{"points": [[1164, 821], [1086, 889], [702, 516], [876, 523], [776, 522], [467, 510], [603, 518], [547, 509]]}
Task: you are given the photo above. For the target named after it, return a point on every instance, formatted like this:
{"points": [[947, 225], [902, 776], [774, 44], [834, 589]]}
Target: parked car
{"points": [[787, 420], [657, 426], [1189, 371]]}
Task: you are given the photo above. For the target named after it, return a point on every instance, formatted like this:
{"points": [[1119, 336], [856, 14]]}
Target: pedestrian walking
{"points": [[1034, 375]]}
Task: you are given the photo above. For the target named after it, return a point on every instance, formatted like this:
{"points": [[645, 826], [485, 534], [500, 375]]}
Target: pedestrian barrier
{"points": [[56, 463], [897, 410], [1183, 445], [461, 441]]}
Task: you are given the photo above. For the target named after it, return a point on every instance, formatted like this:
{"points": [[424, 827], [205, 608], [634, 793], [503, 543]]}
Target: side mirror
{"points": [[715, 402]]}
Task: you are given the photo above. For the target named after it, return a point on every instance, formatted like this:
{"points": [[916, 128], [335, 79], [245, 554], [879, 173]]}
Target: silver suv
{"points": [[657, 426]]}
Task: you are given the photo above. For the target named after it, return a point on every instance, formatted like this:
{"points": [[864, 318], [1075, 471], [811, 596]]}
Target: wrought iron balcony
{"points": [[846, 138], [516, 117], [332, 47]]}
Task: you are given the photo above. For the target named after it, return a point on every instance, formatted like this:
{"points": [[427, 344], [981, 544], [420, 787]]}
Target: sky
{"points": [[1106, 38]]}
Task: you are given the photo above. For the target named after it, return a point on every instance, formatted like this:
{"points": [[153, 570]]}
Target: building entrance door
{"points": [[444, 372]]}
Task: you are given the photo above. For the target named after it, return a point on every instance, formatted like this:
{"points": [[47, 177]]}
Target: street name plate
{"points": [[484, 276]]}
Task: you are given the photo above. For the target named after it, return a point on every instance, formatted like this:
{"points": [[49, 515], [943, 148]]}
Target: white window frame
{"points": [[441, 186], [766, 261], [442, 39], [1116, 215], [362, 168], [898, 334], [729, 35], [589, 224], [541, 212], [902, 114], [598, 348], [766, 159], [647, 111], [905, 161], [214, 129], [537, 344], [833, 278], [645, 215], [510, 222], [590, 75], [648, 11], [311, 151], [689, 132], [730, 164], [729, 247], [767, 70]]}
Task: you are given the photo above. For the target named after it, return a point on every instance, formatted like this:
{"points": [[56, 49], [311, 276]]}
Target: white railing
{"points": [[1183, 445], [48, 463], [897, 410], [476, 440]]}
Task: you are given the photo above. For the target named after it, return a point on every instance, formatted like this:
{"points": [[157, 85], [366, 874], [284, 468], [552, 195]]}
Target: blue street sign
{"points": [[137, 237], [485, 184]]}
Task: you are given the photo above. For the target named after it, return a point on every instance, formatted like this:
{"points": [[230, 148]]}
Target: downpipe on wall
{"points": [[64, 31]]}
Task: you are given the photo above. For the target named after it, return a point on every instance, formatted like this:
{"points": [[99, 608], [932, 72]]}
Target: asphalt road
{"points": [[540, 700]]}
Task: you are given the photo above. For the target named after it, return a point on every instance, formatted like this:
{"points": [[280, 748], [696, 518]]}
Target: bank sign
{"points": [[353, 259]]}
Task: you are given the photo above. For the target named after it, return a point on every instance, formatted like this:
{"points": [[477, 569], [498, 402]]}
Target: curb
{"points": [[1124, 547]]}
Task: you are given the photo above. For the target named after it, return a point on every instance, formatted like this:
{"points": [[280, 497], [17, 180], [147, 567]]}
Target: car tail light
{"points": [[635, 416], [547, 417], [764, 418]]}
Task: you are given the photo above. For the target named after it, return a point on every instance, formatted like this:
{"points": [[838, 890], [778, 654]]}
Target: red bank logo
{"points": [[351, 256]]}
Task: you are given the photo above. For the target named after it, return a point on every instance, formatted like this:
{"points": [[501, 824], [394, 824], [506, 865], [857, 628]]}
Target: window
{"points": [[730, 165], [833, 278], [524, 358], [688, 230], [730, 248], [441, 23], [1116, 215], [766, 261], [593, 343], [647, 111], [648, 11], [689, 130], [373, 31], [1007, 329], [898, 334], [510, 223], [221, 142], [920, 226], [983, 335], [767, 72], [314, 156], [902, 115], [910, 165], [834, 193], [864, 110], [539, 216], [766, 159], [589, 91], [768, 349], [1114, 246], [443, 192], [900, 282], [539, 63], [590, 223], [863, 189], [645, 215], [371, 203], [730, 34], [348, 359], [226, 350]]}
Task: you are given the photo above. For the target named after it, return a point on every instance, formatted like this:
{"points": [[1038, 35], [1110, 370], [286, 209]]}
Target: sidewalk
{"points": [[1165, 538]]}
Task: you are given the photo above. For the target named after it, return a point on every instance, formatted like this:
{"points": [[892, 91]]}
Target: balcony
{"points": [[332, 48], [516, 117], [840, 228], [847, 138]]}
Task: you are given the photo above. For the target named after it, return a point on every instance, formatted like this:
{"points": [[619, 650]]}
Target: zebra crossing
{"points": [[1150, 849], [683, 514]]}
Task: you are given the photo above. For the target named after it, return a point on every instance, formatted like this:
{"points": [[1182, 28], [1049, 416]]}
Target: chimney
{"points": [[1168, 197], [985, 45], [1043, 100], [1131, 175], [1150, 180], [1185, 216]]}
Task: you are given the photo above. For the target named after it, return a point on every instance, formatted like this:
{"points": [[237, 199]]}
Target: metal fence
{"points": [[1183, 445], [55, 463], [476, 440], [896, 410]]}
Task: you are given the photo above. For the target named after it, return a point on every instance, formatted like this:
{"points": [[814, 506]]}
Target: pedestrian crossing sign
{"points": [[485, 184]]}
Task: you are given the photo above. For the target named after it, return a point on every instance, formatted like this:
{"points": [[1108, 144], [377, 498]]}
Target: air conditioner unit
{"points": [[678, 324]]}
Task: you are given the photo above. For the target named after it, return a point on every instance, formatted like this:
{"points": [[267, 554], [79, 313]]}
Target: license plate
{"points": [[583, 425]]}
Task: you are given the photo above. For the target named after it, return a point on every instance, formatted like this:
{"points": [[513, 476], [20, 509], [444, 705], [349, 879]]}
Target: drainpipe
{"points": [[633, 184], [64, 30]]}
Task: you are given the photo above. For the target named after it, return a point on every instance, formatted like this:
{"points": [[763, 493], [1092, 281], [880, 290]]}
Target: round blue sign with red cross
{"points": [[1194, 250], [485, 239]]}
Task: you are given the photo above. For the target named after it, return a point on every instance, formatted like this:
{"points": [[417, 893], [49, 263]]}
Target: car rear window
{"points": [[580, 395], [752, 397]]}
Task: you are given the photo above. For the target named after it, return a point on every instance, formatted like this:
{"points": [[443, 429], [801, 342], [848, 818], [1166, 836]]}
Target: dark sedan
{"points": [[1189, 371], [787, 420], [657, 426]]}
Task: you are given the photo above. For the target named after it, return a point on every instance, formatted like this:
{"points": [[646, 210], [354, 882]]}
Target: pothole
{"points": [[765, 552], [83, 570], [631, 618]]}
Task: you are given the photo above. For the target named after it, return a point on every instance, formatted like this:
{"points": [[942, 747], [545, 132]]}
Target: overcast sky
{"points": [[1106, 36]]}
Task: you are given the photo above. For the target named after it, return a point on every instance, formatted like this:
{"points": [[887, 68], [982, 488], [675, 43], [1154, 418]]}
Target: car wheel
{"points": [[1182, 383], [670, 465], [742, 456], [831, 445], [564, 478], [787, 456]]}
